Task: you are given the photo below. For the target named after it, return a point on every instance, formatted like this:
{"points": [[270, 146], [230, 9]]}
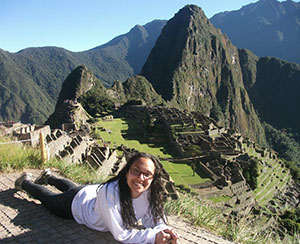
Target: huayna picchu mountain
{"points": [[195, 67]]}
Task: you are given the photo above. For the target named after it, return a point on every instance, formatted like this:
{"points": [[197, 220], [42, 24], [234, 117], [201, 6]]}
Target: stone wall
{"points": [[75, 152], [237, 189], [31, 133], [121, 162], [211, 174], [108, 164], [56, 142], [71, 147]]}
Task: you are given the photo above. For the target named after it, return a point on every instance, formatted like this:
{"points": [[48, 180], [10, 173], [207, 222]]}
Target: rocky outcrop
{"points": [[67, 109], [78, 82], [68, 112]]}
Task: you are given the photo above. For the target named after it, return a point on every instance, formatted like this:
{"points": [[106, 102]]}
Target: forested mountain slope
{"points": [[31, 79], [267, 27]]}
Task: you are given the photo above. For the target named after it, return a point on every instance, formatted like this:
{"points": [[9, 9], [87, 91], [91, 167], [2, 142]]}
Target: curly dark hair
{"points": [[155, 196]]}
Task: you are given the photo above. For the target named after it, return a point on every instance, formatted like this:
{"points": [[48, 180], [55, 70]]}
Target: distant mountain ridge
{"points": [[267, 27], [273, 86], [31, 79]]}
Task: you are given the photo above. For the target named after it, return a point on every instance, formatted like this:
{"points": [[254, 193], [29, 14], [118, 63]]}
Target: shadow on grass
{"points": [[153, 137], [202, 174], [197, 171]]}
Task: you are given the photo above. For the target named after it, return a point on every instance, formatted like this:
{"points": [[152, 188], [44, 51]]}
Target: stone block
{"points": [[92, 161], [73, 144], [99, 153], [64, 153], [79, 138], [58, 133], [69, 149]]}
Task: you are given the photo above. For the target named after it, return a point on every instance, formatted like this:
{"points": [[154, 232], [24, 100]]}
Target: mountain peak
{"points": [[191, 11], [77, 83], [185, 33], [268, 1], [195, 67]]}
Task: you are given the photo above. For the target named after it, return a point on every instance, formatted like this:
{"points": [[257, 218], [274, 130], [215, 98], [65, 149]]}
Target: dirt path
{"points": [[25, 220]]}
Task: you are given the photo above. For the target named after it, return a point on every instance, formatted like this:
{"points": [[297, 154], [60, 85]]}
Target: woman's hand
{"points": [[166, 236]]}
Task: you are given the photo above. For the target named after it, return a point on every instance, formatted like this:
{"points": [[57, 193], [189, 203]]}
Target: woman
{"points": [[115, 206]]}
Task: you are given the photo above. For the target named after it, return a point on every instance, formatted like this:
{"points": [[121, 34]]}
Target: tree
{"points": [[96, 102]]}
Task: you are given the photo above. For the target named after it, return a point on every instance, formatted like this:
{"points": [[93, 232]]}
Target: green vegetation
{"points": [[294, 169], [132, 134], [200, 214], [189, 207], [30, 80], [290, 219], [140, 89], [275, 94], [251, 173], [14, 157], [193, 150], [96, 103], [220, 199], [284, 142], [272, 177]]}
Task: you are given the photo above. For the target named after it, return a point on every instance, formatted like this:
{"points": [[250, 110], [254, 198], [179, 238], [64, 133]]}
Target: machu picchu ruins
{"points": [[224, 156]]}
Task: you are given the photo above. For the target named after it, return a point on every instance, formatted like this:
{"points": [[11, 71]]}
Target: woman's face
{"points": [[140, 176]]}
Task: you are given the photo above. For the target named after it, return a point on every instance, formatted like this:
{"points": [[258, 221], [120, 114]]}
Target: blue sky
{"points": [[79, 25]]}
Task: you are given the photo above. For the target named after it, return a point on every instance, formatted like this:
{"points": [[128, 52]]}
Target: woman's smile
{"points": [[140, 176]]}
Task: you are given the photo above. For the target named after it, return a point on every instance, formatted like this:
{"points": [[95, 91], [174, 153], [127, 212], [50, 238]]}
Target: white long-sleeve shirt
{"points": [[99, 209]]}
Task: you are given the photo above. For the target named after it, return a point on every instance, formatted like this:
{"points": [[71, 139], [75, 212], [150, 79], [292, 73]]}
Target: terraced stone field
{"points": [[272, 178]]}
